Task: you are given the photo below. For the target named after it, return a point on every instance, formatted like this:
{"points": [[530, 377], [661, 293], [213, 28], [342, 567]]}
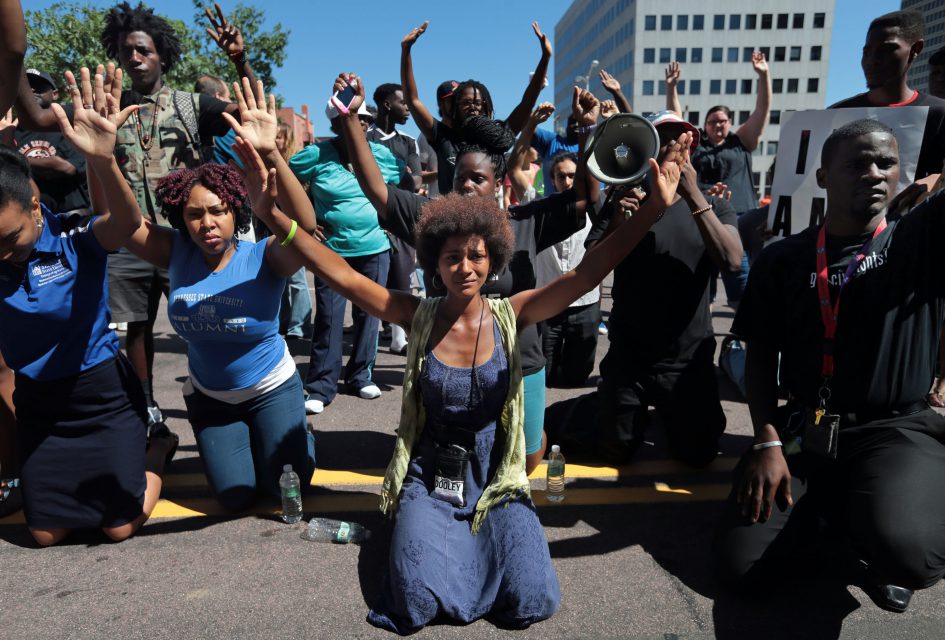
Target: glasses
{"points": [[471, 103]]}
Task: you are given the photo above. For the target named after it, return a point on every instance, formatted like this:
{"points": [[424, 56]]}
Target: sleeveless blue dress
{"points": [[437, 567]]}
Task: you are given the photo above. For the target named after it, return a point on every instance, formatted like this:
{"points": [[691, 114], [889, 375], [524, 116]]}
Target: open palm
{"points": [[258, 124], [96, 115]]}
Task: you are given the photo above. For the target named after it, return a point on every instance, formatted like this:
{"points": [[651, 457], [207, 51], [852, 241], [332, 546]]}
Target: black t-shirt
{"points": [[660, 293], [890, 317], [536, 225], [69, 192], [729, 162], [444, 142], [403, 147], [932, 153]]}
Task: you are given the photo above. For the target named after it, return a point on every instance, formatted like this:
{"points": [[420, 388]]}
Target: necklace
{"points": [[146, 138]]}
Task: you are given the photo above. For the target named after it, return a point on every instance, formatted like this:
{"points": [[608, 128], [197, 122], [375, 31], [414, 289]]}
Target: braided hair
{"points": [[173, 191], [487, 136], [122, 19], [488, 110]]}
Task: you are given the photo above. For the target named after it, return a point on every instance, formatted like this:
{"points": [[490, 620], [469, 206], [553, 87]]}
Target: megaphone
{"points": [[619, 149]]}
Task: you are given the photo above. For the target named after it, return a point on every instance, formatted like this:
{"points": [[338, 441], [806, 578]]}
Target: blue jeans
{"points": [[243, 446], [295, 314], [324, 366]]}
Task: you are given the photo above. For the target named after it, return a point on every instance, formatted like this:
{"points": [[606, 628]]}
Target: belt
{"points": [[853, 419]]}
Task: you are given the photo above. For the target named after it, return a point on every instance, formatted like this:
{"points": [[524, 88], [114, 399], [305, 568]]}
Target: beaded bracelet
{"points": [[291, 236], [699, 212]]}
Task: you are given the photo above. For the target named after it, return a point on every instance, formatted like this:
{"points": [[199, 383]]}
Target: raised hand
{"points": [[542, 112], [585, 108], [260, 182], [258, 124], [609, 82], [343, 81], [544, 40], [225, 33], [8, 125], [666, 176], [414, 34], [673, 72], [112, 82], [719, 190], [608, 108], [759, 63], [96, 116]]}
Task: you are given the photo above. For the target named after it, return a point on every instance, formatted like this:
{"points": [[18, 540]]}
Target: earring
{"points": [[436, 274]]}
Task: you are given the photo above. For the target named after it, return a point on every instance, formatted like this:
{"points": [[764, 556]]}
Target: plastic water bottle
{"points": [[328, 530], [555, 487], [291, 492]]}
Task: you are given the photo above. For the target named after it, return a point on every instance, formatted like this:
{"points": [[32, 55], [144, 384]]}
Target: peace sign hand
{"points": [[225, 33]]}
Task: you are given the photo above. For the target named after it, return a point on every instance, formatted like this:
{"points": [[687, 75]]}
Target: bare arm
{"points": [[722, 241], [230, 40], [12, 51], [519, 176], [52, 167], [519, 115], [424, 119], [673, 72], [32, 116], [359, 151], [750, 132], [613, 86]]}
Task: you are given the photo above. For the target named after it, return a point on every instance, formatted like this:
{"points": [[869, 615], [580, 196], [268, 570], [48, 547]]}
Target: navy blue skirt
{"points": [[81, 442]]}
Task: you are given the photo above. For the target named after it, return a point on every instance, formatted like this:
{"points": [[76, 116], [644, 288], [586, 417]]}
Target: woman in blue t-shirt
{"points": [[80, 410], [244, 396]]}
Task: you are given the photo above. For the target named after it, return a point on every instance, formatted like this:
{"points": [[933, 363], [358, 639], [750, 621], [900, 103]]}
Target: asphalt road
{"points": [[630, 547]]}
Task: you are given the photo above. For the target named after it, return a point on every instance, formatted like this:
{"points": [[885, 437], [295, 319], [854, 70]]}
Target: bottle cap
{"points": [[288, 467], [555, 449]]}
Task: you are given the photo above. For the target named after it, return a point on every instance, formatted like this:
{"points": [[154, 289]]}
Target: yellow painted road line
{"points": [[374, 477]]}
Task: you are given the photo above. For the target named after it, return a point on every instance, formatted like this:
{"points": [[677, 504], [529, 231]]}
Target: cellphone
{"points": [[342, 99]]}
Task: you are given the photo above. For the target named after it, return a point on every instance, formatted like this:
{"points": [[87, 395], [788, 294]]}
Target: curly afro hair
{"points": [[490, 137], [122, 19], [456, 215], [173, 191]]}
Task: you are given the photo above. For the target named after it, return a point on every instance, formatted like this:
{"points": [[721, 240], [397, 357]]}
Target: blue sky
{"points": [[490, 40]]}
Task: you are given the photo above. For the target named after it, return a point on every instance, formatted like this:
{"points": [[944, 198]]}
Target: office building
{"points": [[635, 40], [934, 12]]}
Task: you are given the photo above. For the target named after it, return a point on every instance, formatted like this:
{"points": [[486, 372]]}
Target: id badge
{"points": [[821, 433], [449, 482]]}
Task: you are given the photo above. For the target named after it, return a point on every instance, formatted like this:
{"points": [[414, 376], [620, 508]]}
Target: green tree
{"points": [[65, 36]]}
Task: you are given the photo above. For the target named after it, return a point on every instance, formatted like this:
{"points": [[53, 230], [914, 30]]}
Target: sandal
{"points": [[159, 430]]}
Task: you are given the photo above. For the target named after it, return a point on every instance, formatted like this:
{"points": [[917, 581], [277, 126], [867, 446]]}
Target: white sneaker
{"points": [[370, 392], [313, 406]]}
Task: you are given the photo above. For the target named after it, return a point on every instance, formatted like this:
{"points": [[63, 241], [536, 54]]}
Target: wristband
{"points": [[291, 236], [699, 212], [238, 58], [766, 445], [586, 129]]}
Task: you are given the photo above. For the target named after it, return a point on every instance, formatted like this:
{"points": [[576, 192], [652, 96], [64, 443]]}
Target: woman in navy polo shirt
{"points": [[80, 410], [244, 396]]}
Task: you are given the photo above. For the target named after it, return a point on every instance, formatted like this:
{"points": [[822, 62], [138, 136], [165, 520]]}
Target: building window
{"points": [[751, 21], [715, 87], [695, 87], [782, 20], [735, 21], [649, 23], [716, 54], [743, 116], [779, 54], [648, 88], [680, 87], [798, 24], [682, 23], [813, 85], [775, 117], [731, 87], [819, 20], [795, 54], [815, 52], [772, 148], [694, 118], [718, 21], [665, 54], [777, 85], [696, 54], [649, 55], [746, 54], [661, 87], [792, 85], [746, 86], [733, 54], [680, 54], [766, 51], [698, 22], [766, 19], [666, 23]]}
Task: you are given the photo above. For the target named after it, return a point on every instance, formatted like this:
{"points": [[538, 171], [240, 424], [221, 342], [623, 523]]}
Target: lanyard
{"points": [[829, 312]]}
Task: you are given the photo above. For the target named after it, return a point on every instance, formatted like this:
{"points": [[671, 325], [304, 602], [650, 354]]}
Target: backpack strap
{"points": [[186, 107]]}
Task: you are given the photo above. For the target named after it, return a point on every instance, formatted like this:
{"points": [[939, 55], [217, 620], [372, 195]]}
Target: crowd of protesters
{"points": [[113, 197]]}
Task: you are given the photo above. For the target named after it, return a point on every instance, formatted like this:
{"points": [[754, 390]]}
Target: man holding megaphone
{"points": [[661, 339]]}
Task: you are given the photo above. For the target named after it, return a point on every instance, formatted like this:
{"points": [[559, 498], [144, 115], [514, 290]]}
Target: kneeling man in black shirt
{"points": [[854, 309]]}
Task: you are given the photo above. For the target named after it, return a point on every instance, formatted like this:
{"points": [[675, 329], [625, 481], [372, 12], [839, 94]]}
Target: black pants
{"points": [[884, 497], [569, 341], [687, 401]]}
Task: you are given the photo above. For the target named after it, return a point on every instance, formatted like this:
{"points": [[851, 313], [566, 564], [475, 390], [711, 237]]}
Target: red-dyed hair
{"points": [[173, 191]]}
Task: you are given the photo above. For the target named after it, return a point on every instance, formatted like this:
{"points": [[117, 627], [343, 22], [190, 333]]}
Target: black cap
{"points": [[446, 89], [38, 79]]}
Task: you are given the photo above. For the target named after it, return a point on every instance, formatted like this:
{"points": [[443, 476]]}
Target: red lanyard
{"points": [[829, 312]]}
